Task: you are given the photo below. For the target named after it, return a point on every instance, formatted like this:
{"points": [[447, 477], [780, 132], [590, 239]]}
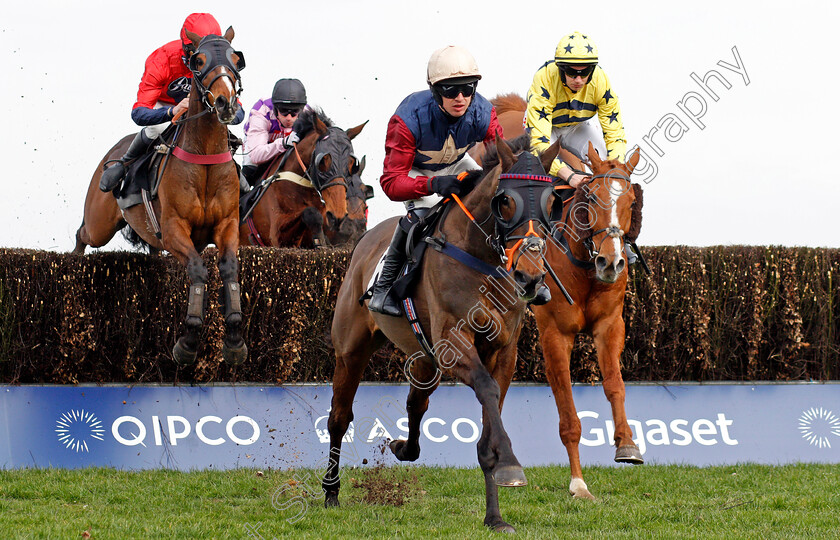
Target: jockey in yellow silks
{"points": [[563, 100]]}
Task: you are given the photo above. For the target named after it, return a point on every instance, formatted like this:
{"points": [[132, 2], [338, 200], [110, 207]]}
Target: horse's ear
{"points": [[352, 132], [594, 158], [550, 154], [633, 161], [195, 38], [320, 126], [505, 153], [229, 34]]}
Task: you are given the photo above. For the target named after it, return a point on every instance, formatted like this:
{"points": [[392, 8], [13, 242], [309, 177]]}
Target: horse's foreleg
{"points": [[354, 346], [234, 349], [609, 342], [557, 350], [416, 406], [495, 475], [176, 236], [495, 454]]}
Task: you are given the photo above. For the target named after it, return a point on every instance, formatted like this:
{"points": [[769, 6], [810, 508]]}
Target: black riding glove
{"points": [[450, 184]]}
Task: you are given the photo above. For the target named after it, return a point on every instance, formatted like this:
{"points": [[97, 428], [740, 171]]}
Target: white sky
{"points": [[760, 172]]}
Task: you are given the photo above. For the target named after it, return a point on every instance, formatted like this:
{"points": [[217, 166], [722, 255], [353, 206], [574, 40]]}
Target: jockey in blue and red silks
{"points": [[268, 131], [163, 92], [426, 151]]}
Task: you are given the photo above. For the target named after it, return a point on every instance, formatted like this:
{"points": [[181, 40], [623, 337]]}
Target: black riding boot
{"points": [[381, 301], [113, 174]]}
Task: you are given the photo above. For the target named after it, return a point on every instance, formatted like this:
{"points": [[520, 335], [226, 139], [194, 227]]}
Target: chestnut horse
{"points": [[474, 338], [315, 192], [197, 201], [587, 252]]}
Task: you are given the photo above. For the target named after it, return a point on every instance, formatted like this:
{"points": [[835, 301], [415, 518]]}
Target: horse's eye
{"points": [[505, 200]]}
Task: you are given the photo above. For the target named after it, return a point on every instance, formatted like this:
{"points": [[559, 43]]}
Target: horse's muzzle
{"points": [[528, 285], [608, 271], [225, 109]]}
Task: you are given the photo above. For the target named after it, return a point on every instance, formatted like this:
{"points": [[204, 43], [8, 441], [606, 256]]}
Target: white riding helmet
{"points": [[451, 62]]}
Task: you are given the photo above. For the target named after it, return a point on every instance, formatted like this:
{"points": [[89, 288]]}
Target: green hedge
{"points": [[719, 313]]}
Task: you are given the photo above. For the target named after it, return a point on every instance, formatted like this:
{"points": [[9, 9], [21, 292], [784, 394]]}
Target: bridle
{"points": [[217, 52], [531, 194], [331, 143], [610, 232]]}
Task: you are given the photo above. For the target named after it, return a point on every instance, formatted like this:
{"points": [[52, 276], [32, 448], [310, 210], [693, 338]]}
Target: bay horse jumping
{"points": [[474, 338], [587, 252], [198, 196], [316, 195]]}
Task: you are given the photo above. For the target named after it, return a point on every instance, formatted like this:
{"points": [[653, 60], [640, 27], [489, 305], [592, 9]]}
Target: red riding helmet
{"points": [[199, 23]]}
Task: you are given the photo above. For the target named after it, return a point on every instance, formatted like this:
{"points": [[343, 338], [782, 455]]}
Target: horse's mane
{"points": [[491, 155], [509, 102], [306, 120]]}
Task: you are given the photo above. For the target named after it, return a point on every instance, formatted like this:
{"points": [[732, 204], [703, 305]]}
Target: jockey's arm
{"points": [[400, 149], [257, 144], [538, 118], [609, 115], [494, 129]]}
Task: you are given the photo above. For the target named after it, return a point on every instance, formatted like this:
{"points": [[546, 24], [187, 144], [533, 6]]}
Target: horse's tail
{"points": [[509, 102], [136, 240]]}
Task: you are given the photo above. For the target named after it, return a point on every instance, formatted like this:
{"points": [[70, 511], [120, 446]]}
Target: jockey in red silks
{"points": [[163, 92], [426, 151]]}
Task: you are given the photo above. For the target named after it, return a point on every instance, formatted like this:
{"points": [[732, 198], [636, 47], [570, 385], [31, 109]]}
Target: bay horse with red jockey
{"points": [[197, 196], [587, 252], [313, 194], [493, 243]]}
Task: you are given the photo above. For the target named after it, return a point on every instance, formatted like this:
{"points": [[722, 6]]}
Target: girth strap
{"points": [[202, 159], [465, 258]]}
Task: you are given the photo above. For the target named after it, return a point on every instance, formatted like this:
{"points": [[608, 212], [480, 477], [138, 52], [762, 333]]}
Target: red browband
{"points": [[202, 159]]}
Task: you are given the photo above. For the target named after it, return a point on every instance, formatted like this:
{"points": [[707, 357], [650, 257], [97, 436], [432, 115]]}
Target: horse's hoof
{"points": [[629, 453], [182, 355], [331, 501], [510, 476], [499, 525], [235, 356], [402, 452]]}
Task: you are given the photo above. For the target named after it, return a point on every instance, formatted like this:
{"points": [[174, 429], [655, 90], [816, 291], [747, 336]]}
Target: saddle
{"points": [[418, 226], [144, 173], [249, 200]]}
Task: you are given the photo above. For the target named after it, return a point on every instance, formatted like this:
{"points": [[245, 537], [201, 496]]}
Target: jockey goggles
{"points": [[287, 112], [572, 72], [451, 91]]}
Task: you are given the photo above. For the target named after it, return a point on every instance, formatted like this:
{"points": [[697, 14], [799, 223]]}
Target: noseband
{"points": [[611, 232]]}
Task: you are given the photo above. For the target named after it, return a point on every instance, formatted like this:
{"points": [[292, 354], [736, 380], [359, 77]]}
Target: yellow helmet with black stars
{"points": [[576, 48]]}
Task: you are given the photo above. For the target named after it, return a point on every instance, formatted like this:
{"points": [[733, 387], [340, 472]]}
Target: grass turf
{"points": [[744, 501]]}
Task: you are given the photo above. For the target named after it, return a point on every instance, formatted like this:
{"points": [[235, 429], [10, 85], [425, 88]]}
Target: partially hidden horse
{"points": [[198, 195], [510, 112], [474, 335], [314, 194], [587, 252]]}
